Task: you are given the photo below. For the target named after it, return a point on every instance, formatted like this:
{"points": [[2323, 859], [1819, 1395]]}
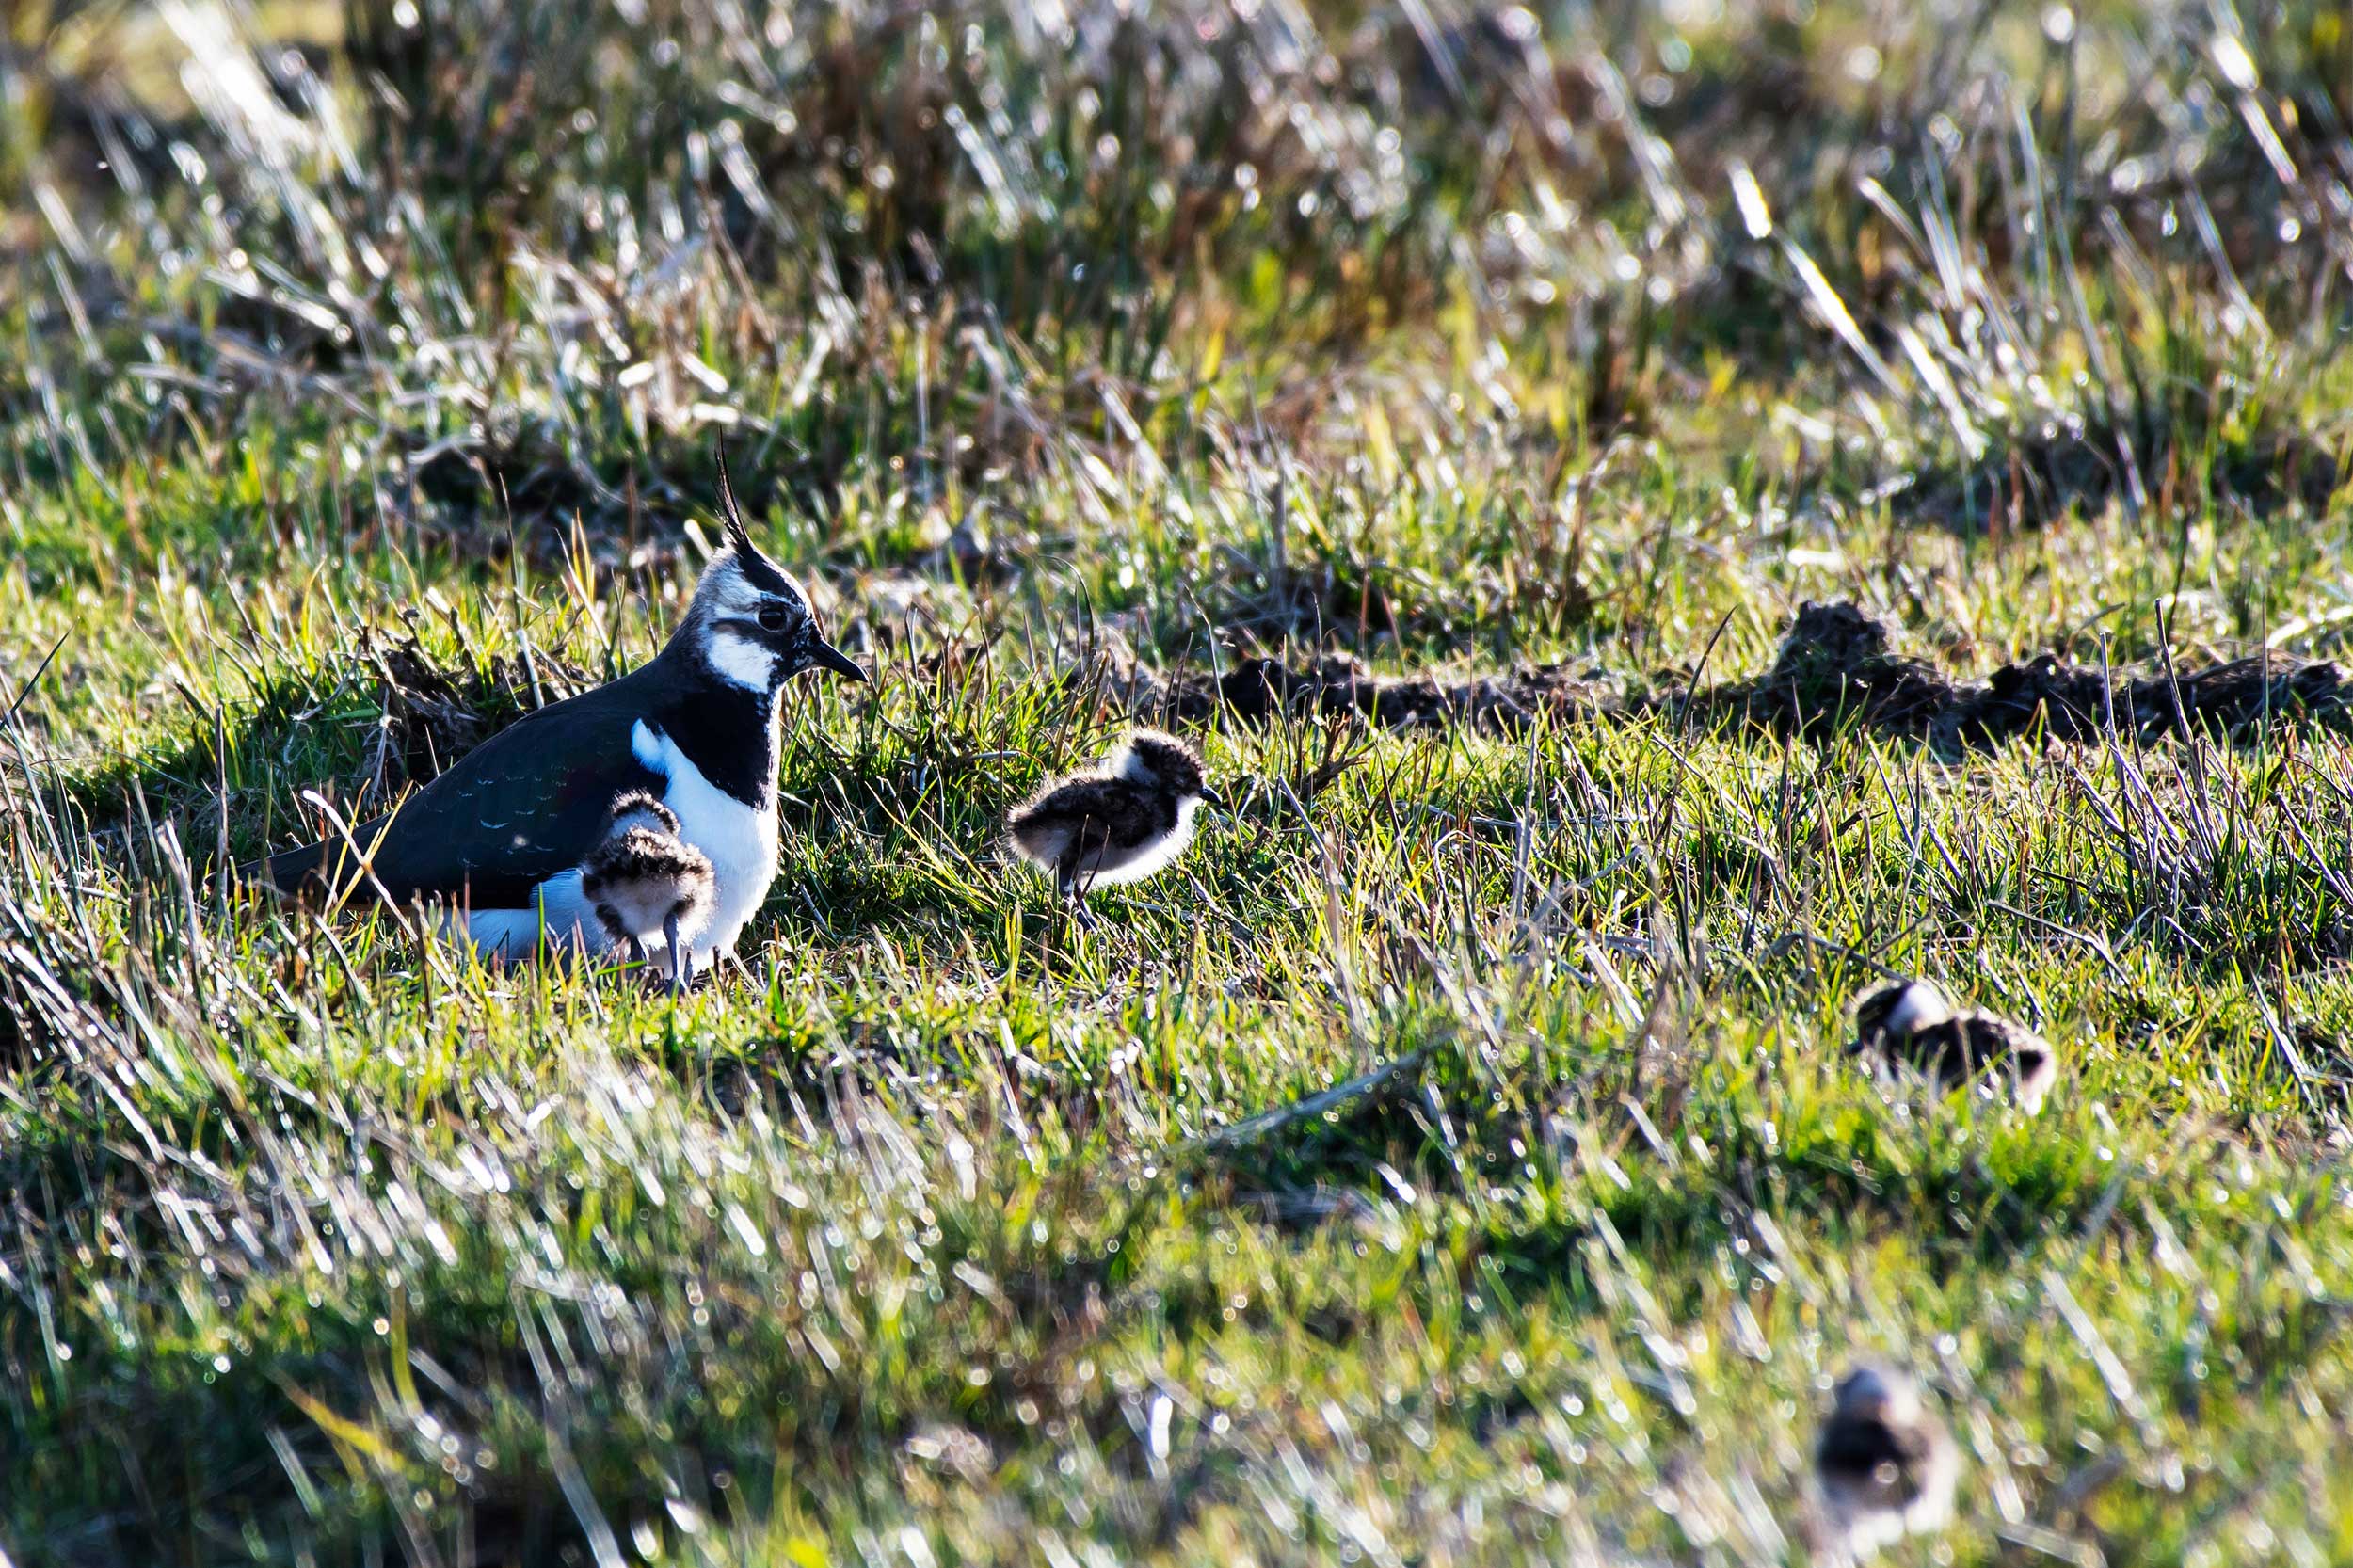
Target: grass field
{"points": [[1457, 1160]]}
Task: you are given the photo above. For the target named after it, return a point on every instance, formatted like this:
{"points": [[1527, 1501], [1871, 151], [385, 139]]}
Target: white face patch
{"points": [[726, 595], [740, 661], [729, 593]]}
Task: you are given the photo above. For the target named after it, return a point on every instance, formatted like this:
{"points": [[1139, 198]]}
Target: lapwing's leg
{"points": [[678, 967], [636, 951]]}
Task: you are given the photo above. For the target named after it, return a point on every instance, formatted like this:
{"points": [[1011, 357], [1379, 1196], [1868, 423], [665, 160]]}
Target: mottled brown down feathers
{"points": [[1118, 823]]}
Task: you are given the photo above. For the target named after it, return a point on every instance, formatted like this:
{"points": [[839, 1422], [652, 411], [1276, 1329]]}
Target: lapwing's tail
{"points": [[309, 874]]}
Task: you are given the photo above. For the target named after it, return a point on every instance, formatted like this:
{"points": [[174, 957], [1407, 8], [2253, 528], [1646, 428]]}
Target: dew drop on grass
{"points": [[2235, 63]]}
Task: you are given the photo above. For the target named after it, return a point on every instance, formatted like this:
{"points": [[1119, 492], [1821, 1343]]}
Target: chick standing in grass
{"points": [[1911, 1024], [1886, 1465], [1118, 823], [644, 880]]}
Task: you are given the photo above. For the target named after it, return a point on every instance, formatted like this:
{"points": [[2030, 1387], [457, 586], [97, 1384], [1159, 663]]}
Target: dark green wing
{"points": [[519, 807]]}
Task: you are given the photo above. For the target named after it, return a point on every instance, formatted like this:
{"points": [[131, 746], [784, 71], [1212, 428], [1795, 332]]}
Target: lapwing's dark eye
{"points": [[773, 618]]}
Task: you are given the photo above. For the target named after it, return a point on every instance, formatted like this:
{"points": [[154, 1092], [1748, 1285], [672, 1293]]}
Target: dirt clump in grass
{"points": [[2071, 701], [1258, 690], [1837, 668], [488, 488], [430, 713]]}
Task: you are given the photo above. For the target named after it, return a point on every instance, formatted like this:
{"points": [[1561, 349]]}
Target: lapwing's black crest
{"points": [[759, 570], [1118, 823], [1886, 1463], [1912, 1025], [500, 839]]}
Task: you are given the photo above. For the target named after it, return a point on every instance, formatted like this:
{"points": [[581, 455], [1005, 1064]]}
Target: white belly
{"points": [[562, 919], [740, 841]]}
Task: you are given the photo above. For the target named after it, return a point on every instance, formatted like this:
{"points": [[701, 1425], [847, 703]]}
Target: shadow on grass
{"points": [[389, 716], [2043, 478]]}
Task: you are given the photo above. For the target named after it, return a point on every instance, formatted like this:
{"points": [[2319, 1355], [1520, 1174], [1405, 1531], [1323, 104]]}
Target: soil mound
{"points": [[1837, 668]]}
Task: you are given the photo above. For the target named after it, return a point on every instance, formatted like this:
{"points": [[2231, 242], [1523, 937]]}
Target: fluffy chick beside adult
{"points": [[645, 881], [1118, 823]]}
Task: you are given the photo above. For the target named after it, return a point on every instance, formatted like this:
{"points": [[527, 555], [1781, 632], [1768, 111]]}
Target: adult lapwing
{"points": [[498, 842], [1118, 823], [1912, 1025], [650, 886], [1886, 1467]]}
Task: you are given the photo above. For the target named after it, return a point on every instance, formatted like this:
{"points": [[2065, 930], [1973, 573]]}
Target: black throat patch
{"points": [[728, 731]]}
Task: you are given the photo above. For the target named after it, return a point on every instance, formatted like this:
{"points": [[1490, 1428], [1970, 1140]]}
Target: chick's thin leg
{"points": [[1066, 881], [679, 967]]}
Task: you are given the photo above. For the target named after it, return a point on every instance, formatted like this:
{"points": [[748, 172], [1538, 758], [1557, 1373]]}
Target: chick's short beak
{"points": [[820, 653], [1212, 799]]}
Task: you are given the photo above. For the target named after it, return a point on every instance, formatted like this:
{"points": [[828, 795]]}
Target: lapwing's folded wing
{"points": [[525, 805]]}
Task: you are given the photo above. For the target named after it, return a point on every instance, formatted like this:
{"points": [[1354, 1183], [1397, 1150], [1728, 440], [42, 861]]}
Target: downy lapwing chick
{"points": [[645, 882], [498, 842], [1118, 823], [1911, 1024], [1886, 1467]]}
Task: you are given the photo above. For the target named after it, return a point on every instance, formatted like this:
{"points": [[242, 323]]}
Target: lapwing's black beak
{"points": [[1211, 799], [816, 650]]}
